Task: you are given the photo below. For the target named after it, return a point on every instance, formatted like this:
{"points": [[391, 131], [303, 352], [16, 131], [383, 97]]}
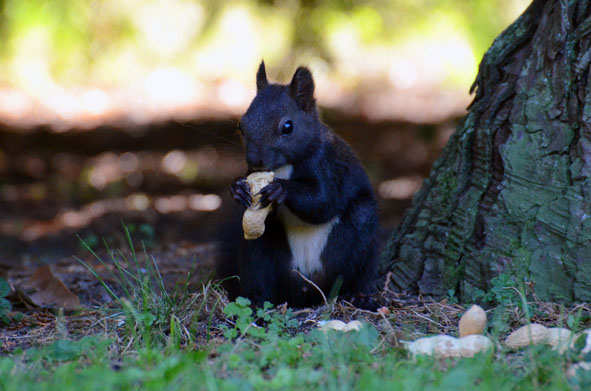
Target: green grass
{"points": [[275, 358], [152, 339]]}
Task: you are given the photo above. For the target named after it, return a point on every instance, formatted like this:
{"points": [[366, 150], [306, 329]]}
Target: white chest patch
{"points": [[306, 241]]}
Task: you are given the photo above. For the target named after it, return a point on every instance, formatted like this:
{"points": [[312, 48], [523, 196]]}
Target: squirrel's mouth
{"points": [[265, 167], [259, 168], [281, 171]]}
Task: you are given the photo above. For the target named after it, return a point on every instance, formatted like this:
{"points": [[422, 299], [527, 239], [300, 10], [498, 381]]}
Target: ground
{"points": [[200, 341]]}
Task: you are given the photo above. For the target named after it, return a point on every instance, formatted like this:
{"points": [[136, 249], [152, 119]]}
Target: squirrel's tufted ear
{"points": [[262, 81], [302, 88]]}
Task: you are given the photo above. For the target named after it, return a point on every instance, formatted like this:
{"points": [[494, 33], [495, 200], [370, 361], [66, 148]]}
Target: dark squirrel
{"points": [[324, 221]]}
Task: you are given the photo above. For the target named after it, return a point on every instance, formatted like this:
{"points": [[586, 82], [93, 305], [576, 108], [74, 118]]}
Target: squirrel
{"points": [[323, 224]]}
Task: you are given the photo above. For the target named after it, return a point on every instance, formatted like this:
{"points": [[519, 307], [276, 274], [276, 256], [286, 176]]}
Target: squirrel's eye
{"points": [[287, 127]]}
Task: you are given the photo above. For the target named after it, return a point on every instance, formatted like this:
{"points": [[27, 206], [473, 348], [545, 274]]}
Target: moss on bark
{"points": [[511, 193]]}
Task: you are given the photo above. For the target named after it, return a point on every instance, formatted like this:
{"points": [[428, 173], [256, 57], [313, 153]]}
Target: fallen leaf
{"points": [[44, 289]]}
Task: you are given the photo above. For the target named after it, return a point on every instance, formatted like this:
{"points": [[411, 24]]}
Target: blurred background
{"points": [[126, 110]]}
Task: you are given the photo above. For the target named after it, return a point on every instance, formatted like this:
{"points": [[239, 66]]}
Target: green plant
{"points": [[145, 232], [152, 313], [451, 296], [502, 292], [5, 306], [280, 357], [90, 240], [245, 323]]}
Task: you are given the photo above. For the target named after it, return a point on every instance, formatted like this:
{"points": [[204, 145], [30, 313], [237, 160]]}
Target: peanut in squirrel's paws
{"points": [[253, 220]]}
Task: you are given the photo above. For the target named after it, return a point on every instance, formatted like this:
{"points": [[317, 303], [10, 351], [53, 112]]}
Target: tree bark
{"points": [[510, 196]]}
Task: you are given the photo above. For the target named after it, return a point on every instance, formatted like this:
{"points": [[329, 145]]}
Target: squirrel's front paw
{"points": [[275, 192], [240, 191]]}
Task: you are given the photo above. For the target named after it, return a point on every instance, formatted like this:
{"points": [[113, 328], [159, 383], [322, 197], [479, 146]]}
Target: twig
{"points": [[387, 323], [427, 319], [380, 344], [387, 282], [313, 284]]}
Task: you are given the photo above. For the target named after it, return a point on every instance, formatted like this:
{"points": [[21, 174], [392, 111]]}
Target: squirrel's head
{"points": [[281, 125]]}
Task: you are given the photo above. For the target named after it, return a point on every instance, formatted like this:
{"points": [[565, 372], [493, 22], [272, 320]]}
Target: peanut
{"points": [[253, 221]]}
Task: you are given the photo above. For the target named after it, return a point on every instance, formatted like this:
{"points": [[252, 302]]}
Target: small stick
{"points": [[387, 281], [313, 284], [427, 319]]}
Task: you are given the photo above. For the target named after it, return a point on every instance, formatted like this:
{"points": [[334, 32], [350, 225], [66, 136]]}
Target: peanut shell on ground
{"points": [[473, 321]]}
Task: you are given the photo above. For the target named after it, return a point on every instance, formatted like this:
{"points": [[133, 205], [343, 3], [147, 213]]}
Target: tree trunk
{"points": [[510, 196]]}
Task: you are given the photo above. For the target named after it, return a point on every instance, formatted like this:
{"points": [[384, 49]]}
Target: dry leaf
{"points": [[44, 289]]}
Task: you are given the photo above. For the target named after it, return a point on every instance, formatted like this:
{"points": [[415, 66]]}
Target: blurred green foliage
{"points": [[108, 42]]}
